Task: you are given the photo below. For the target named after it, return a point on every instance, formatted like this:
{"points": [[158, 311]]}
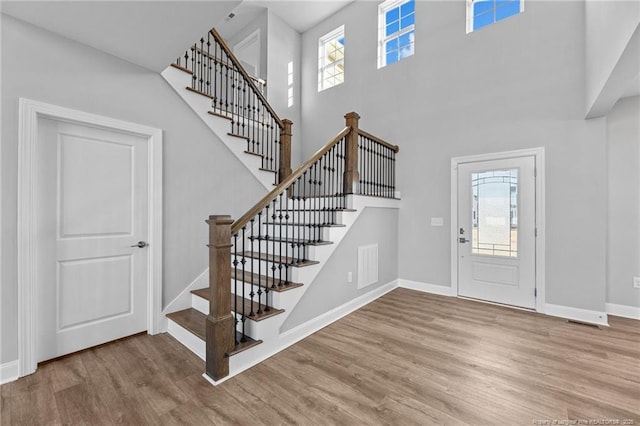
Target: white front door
{"points": [[92, 198], [496, 231]]}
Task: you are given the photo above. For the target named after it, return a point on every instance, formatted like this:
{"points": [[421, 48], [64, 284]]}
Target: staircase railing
{"points": [[255, 254], [218, 74]]}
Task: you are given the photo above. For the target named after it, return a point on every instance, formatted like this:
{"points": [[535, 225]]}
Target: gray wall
{"points": [[260, 23], [284, 46], [42, 66], [623, 236], [330, 289], [609, 27], [516, 84]]}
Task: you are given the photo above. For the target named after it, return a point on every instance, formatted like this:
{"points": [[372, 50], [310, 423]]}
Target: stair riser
{"points": [[299, 232], [316, 203], [264, 267], [309, 217], [284, 249]]}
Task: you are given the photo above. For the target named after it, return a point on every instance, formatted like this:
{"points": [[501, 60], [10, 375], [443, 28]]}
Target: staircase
{"points": [[262, 263]]}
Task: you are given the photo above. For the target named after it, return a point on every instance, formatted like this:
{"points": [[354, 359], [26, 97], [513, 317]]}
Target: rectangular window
{"points": [[495, 213], [331, 59], [290, 84], [396, 31], [481, 13]]}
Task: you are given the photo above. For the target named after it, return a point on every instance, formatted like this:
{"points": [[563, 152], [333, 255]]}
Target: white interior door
{"points": [[92, 198], [496, 231]]}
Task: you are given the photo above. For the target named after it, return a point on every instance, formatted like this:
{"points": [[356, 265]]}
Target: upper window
{"points": [[396, 31], [481, 13], [331, 59]]}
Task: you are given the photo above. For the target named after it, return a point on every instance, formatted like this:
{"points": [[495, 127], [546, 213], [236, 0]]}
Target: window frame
{"points": [[470, 14], [383, 39], [323, 42]]}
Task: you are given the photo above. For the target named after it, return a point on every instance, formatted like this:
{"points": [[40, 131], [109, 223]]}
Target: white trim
{"points": [[30, 112], [9, 372], [322, 56], [577, 314], [383, 8], [442, 290], [254, 36], [539, 156], [624, 311]]}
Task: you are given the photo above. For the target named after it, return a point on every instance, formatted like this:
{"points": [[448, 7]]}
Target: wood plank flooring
{"points": [[408, 358]]}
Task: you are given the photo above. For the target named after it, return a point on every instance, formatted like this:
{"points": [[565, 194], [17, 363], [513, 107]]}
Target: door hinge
{"points": [[535, 292], [535, 172], [535, 232]]}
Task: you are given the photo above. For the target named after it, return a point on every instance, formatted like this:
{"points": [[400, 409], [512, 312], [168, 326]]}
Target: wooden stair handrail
{"points": [[244, 73], [238, 224], [394, 148]]}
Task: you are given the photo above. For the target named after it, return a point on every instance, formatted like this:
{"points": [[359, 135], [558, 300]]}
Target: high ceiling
{"points": [[152, 33]]}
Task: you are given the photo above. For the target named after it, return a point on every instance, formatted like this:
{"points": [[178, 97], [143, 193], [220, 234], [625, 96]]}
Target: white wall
{"points": [[623, 236], [610, 26], [39, 65], [516, 84]]}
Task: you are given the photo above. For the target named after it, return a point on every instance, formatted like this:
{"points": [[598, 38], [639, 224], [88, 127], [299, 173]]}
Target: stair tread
{"points": [[282, 260], [238, 136], [192, 320], [196, 322], [199, 92], [293, 241], [254, 153], [268, 170], [205, 293], [243, 346], [181, 68], [217, 114]]}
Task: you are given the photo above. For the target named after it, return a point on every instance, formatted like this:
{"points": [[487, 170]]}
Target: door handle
{"points": [[141, 244], [463, 240]]}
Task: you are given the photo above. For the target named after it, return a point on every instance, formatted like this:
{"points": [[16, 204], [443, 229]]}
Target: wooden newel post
{"points": [[351, 175], [285, 150], [220, 322]]}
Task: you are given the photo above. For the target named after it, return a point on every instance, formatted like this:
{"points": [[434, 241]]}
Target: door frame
{"points": [[30, 112], [539, 156]]}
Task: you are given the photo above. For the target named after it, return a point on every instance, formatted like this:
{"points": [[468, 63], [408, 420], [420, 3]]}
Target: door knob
{"points": [[141, 244]]}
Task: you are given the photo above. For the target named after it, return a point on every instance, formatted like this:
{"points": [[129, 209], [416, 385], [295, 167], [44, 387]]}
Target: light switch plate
{"points": [[437, 221]]}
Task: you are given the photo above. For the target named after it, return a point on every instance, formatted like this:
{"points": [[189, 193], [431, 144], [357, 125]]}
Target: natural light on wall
{"points": [[331, 59], [481, 13], [290, 84], [396, 31]]}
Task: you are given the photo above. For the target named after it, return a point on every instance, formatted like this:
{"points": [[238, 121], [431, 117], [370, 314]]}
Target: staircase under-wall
{"points": [[262, 263]]}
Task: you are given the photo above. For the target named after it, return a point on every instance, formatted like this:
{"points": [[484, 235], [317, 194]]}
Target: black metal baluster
{"points": [[259, 262], [244, 280], [193, 67], [235, 285], [209, 63], [282, 242], [289, 196], [252, 293]]}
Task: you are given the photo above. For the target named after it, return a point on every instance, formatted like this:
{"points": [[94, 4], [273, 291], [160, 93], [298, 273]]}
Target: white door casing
{"points": [[92, 197], [32, 115], [496, 226], [457, 163]]}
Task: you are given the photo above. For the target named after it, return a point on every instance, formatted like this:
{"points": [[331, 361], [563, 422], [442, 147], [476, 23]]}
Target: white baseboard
{"points": [[624, 311], [9, 371], [308, 328], [577, 314], [426, 288], [247, 359]]}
